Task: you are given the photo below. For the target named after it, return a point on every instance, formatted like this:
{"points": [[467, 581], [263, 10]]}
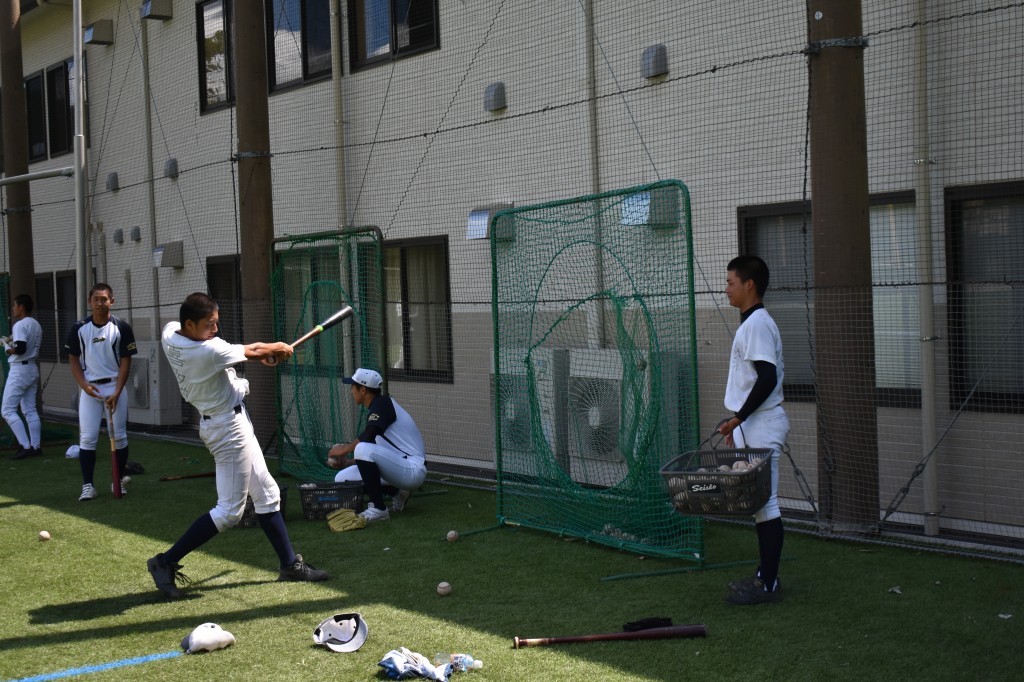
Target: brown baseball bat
{"points": [[323, 326], [205, 474], [115, 470], [669, 632]]}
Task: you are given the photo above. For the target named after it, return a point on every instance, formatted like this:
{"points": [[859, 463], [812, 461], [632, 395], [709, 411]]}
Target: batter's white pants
{"points": [[92, 410], [766, 429], [405, 472], [20, 391], [240, 468]]}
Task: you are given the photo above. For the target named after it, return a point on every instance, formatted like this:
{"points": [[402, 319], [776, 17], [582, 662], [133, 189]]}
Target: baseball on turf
{"points": [[44, 535], [126, 480], [453, 535], [444, 589]]}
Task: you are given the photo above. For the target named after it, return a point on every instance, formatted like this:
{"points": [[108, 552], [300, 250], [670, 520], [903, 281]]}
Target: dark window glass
{"points": [[216, 86], [35, 106], [388, 29]]}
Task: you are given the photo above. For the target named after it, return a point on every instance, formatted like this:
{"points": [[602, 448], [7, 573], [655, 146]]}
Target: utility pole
{"points": [[21, 258], [255, 201], [843, 309]]}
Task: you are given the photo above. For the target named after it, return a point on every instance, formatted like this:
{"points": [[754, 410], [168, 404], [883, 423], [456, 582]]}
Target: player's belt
{"points": [[237, 410], [22, 362], [102, 381]]}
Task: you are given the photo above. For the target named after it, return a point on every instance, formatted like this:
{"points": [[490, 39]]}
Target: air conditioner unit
{"points": [[153, 395], [607, 416], [529, 416]]}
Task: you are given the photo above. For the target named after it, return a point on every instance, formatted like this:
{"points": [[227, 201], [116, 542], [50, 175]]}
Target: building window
{"points": [[300, 44], [776, 233], [216, 75], [59, 110], [985, 262], [418, 310], [224, 277], [35, 110], [56, 311], [381, 30]]}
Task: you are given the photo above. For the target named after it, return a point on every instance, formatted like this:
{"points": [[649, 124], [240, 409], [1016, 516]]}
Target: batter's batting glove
{"points": [[344, 519]]}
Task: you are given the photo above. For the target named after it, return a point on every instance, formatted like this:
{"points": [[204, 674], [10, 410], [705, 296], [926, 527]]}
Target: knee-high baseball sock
{"points": [[370, 473], [273, 527], [87, 463], [769, 541], [201, 531], [122, 459]]}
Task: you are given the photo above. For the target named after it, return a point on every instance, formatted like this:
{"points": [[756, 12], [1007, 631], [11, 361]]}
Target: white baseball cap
{"points": [[365, 377], [343, 632], [207, 637]]}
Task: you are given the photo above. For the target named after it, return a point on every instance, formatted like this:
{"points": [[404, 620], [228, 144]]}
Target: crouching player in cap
{"points": [[389, 451], [203, 365]]}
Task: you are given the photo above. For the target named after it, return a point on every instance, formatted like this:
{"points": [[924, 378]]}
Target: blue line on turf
{"points": [[101, 667]]}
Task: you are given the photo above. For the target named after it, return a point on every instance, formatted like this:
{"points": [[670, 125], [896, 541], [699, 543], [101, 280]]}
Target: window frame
{"points": [[306, 76], [229, 65], [446, 373], [746, 219], [36, 122], [1004, 402], [68, 110], [358, 60]]}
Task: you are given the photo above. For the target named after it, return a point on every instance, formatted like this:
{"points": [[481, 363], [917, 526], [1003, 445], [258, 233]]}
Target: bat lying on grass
{"points": [[182, 477], [669, 632]]}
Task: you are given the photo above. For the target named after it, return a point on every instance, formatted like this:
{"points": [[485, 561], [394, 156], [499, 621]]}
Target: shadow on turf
{"points": [[185, 623], [103, 607]]}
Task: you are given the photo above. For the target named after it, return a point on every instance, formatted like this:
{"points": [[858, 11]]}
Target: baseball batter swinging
{"points": [[204, 367]]}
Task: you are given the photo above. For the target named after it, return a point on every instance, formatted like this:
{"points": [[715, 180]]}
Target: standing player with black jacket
{"points": [[753, 393]]}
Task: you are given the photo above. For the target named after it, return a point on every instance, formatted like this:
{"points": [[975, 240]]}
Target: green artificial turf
{"points": [[84, 598]]}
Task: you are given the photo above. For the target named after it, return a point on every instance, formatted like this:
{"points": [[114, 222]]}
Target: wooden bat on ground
{"points": [[182, 477], [669, 632], [323, 326], [115, 470]]}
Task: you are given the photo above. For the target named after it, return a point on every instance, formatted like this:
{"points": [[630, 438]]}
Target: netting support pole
{"points": [[255, 202], [843, 308], [150, 187], [595, 162], [923, 215], [15, 144]]}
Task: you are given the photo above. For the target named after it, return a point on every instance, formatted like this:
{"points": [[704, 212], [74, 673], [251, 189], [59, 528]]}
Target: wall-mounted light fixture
{"points": [[655, 61], [480, 218], [112, 183], [171, 168], [494, 97], [159, 10], [99, 32]]}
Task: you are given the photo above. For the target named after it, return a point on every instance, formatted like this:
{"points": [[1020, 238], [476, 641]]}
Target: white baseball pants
{"points": [[766, 429]]}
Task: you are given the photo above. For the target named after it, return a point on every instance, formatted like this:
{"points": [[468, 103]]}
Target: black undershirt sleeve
{"points": [[20, 347], [763, 387]]}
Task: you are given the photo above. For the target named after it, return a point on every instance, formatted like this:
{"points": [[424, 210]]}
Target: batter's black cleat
{"points": [[748, 583], [756, 594], [22, 453], [165, 575], [301, 572]]}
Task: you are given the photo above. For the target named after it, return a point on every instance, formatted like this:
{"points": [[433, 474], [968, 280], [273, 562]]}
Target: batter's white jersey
{"points": [[757, 338], [29, 330], [204, 370]]}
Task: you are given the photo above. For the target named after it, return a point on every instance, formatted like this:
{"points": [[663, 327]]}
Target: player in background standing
{"points": [[389, 450], [100, 350], [204, 367], [753, 393], [23, 378]]}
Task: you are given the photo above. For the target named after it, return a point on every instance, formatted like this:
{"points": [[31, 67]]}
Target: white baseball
{"points": [[453, 535], [125, 480], [44, 535], [444, 589], [272, 360]]}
